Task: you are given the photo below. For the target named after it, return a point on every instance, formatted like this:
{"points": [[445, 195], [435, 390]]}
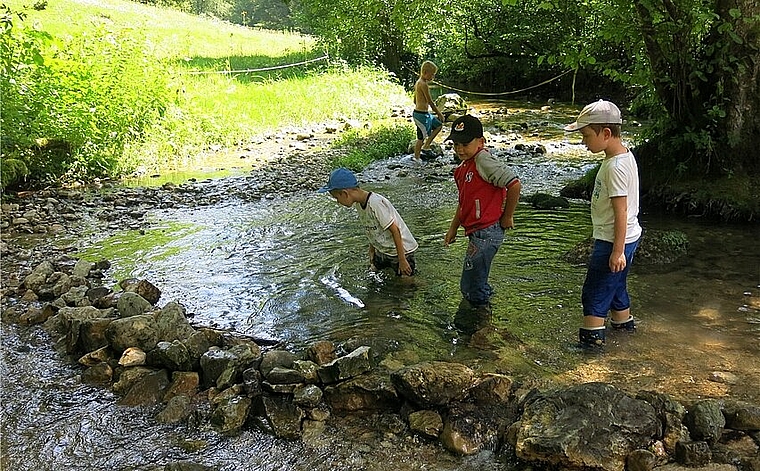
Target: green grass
{"points": [[170, 33], [140, 87], [362, 146]]}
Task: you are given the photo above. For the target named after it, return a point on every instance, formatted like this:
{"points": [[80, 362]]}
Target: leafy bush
{"points": [[365, 146], [71, 116]]}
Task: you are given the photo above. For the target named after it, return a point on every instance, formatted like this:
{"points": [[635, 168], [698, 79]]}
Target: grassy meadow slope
{"points": [[131, 85]]}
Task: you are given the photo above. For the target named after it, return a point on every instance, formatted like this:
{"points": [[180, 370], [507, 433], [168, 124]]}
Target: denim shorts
{"points": [[604, 290]]}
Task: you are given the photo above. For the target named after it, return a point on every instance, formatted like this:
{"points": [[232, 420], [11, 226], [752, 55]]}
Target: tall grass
{"points": [[363, 146], [126, 85]]}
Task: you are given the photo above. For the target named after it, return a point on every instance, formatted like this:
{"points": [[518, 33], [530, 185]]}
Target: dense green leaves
{"points": [[74, 115]]}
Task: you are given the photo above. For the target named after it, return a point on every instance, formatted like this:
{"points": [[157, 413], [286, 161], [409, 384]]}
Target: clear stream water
{"points": [[295, 269]]}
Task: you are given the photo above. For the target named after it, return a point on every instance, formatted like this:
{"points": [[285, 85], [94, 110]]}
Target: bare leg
{"points": [[593, 321], [417, 149], [430, 138], [621, 316]]}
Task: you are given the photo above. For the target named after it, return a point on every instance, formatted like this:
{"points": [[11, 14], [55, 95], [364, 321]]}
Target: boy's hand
{"points": [[372, 267], [507, 223], [617, 262], [449, 237], [404, 267]]}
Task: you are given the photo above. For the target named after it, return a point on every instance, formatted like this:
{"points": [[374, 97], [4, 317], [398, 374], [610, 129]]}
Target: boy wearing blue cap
{"points": [[387, 233], [614, 216]]}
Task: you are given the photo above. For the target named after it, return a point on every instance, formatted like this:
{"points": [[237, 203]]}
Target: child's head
{"points": [[600, 124], [340, 182], [467, 136], [428, 69], [598, 115]]}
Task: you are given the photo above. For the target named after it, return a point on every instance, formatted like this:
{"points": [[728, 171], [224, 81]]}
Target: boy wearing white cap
{"points": [[391, 243], [616, 229]]}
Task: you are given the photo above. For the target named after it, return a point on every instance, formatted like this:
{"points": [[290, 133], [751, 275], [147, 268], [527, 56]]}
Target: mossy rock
{"points": [[656, 248], [13, 171], [583, 187], [546, 201]]}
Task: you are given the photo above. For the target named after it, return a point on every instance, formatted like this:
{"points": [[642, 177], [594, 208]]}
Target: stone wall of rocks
{"points": [[152, 355]]}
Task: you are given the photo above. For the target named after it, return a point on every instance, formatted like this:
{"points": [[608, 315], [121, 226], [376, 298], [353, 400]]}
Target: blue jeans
{"points": [[481, 250], [604, 290]]}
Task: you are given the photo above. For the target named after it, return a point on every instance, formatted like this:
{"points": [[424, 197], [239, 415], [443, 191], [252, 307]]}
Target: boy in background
{"points": [[391, 244], [614, 216], [488, 195], [427, 125]]}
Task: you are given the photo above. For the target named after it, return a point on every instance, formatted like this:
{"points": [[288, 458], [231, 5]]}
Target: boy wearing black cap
{"points": [[614, 216], [488, 195], [387, 233]]}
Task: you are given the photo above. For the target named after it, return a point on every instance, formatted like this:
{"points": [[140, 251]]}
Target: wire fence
{"points": [[262, 69]]}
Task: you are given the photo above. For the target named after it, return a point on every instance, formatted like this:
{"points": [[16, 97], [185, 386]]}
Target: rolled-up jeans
{"points": [[482, 248]]}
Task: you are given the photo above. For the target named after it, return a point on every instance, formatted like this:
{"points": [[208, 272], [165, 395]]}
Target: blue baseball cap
{"points": [[340, 179]]}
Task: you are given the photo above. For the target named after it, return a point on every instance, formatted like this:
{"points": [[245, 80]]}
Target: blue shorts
{"points": [[425, 123], [604, 290]]}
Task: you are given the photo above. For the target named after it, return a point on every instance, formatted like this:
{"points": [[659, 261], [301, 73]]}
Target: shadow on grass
{"points": [[251, 69]]}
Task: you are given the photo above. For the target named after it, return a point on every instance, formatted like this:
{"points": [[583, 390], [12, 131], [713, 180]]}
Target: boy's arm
{"points": [[620, 209], [513, 197], [403, 264], [493, 171], [451, 234], [371, 257]]}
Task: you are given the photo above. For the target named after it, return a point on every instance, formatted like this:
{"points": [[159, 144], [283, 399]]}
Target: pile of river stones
{"points": [[151, 355]]}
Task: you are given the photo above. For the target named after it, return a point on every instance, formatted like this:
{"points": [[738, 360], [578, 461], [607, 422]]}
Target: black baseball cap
{"points": [[465, 129]]}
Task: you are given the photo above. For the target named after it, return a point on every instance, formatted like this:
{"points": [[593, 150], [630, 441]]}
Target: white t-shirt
{"points": [[376, 218], [618, 176]]}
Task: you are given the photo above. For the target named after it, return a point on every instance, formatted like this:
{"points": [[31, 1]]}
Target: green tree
{"points": [[705, 67]]}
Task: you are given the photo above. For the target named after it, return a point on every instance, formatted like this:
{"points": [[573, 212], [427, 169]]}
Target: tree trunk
{"points": [[743, 112]]}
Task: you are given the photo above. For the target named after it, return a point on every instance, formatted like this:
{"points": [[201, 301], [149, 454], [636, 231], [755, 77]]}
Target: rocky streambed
{"points": [[150, 355], [154, 358]]}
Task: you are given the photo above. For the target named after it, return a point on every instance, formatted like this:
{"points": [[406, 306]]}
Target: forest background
{"points": [[89, 99]]}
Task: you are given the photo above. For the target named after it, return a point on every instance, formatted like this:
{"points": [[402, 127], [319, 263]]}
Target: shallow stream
{"points": [[294, 269]]}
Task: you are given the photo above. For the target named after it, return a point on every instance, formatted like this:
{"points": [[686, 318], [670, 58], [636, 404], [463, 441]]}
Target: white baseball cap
{"points": [[599, 112]]}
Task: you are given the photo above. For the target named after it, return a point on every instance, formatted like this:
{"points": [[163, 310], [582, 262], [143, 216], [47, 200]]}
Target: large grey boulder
{"points": [[223, 368], [705, 420], [172, 323], [230, 413], [84, 328], [132, 304], [347, 366], [135, 331], [370, 391], [147, 390], [283, 416], [38, 277], [742, 416], [589, 426]]}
